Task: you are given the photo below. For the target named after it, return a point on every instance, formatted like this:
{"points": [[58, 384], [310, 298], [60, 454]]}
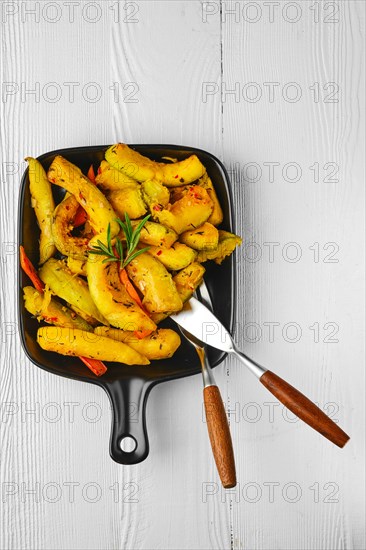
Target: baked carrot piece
{"points": [[140, 334], [130, 288], [30, 270], [96, 366]]}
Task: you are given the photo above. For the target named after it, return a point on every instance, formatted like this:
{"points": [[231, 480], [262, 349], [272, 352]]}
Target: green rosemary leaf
{"points": [[137, 232], [132, 239], [109, 239], [103, 247], [134, 255], [119, 249], [128, 230], [120, 223], [96, 251], [142, 223]]}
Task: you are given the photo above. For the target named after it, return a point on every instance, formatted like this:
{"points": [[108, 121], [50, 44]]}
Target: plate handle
{"points": [[129, 443]]}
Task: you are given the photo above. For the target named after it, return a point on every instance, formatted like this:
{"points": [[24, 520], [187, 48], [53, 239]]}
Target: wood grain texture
{"points": [[273, 211], [220, 438], [303, 408], [294, 490]]}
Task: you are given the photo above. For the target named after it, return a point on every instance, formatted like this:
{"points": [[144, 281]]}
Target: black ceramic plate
{"points": [[128, 386]]}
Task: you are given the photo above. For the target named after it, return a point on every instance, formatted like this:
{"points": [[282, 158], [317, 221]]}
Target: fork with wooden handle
{"points": [[202, 323], [217, 423]]}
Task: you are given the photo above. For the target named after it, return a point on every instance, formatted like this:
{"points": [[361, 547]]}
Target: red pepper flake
{"points": [[50, 319], [157, 208], [177, 176], [159, 252]]}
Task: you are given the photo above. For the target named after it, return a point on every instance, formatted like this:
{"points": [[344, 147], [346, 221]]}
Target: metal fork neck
{"points": [[254, 367], [207, 374]]}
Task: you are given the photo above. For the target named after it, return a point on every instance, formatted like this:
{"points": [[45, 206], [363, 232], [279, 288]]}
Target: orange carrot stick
{"points": [[140, 334], [30, 270], [130, 288], [96, 366]]}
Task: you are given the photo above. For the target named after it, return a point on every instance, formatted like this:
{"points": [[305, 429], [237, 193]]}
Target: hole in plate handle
{"points": [[128, 444]]}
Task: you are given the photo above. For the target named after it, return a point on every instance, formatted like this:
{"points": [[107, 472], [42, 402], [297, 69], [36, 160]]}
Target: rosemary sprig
{"points": [[115, 254]]}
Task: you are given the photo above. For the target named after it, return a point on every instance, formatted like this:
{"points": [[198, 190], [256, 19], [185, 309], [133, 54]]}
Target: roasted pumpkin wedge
{"points": [[189, 212], [88, 318], [174, 258], [44, 205], [51, 311], [100, 213], [160, 344], [155, 194], [128, 200], [63, 217], [226, 246], [217, 215], [78, 267], [156, 234], [81, 343], [111, 179], [186, 282], [155, 283], [141, 168], [205, 237], [188, 279]]}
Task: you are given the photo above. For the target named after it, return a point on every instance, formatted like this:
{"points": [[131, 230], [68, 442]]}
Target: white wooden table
{"points": [[276, 91]]}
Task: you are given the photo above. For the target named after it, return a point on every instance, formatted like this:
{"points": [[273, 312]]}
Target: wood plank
{"points": [[96, 57], [271, 213]]}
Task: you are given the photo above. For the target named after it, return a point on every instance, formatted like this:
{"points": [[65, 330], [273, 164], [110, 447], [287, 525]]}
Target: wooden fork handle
{"points": [[304, 408], [220, 438]]}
